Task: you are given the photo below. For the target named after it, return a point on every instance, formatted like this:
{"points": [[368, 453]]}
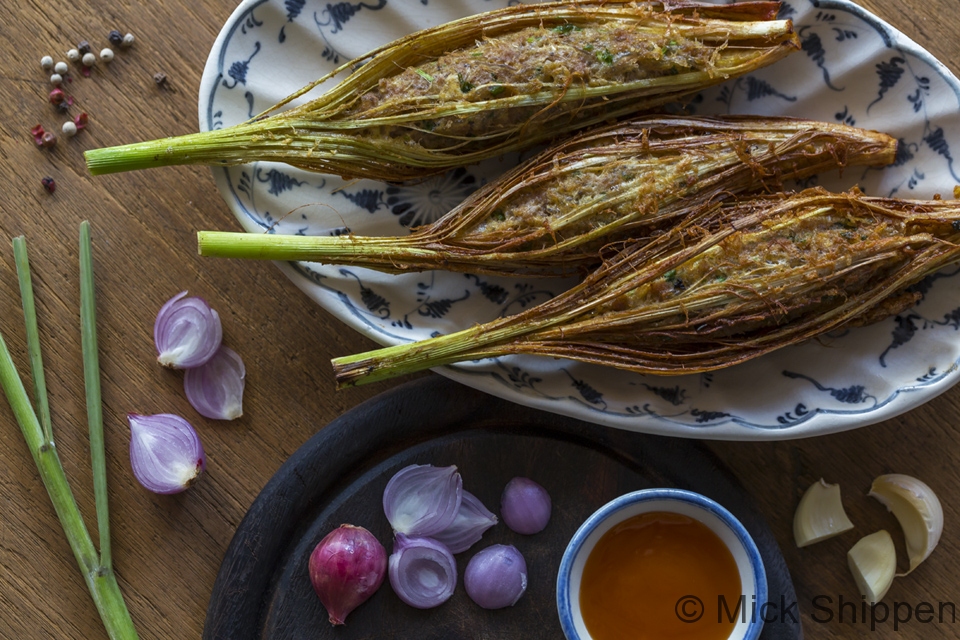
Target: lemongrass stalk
{"points": [[101, 580], [773, 271], [385, 121], [91, 377], [33, 337]]}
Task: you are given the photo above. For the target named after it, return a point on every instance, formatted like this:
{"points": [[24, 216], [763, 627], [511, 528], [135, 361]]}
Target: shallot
{"points": [[423, 500], [472, 520], [187, 332], [525, 506], [165, 452], [215, 388], [496, 577], [346, 568], [422, 571]]}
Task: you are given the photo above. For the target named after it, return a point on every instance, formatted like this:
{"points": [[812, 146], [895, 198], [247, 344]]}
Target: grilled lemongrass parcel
{"points": [[488, 84], [774, 271], [552, 214]]}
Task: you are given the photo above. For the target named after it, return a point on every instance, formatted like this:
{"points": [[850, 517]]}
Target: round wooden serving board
{"points": [[263, 589]]}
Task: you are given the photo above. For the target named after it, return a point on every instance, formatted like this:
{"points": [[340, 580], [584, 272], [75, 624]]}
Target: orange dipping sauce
{"points": [[639, 569]]}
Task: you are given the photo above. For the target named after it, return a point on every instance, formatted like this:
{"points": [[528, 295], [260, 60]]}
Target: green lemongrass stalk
{"points": [[91, 378], [773, 271], [100, 578], [486, 85], [553, 213], [33, 336]]}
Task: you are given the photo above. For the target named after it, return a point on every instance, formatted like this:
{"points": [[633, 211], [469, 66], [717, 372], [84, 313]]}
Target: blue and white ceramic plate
{"points": [[852, 68]]}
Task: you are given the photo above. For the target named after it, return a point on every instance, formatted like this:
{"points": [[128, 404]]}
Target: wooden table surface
{"points": [[167, 550]]}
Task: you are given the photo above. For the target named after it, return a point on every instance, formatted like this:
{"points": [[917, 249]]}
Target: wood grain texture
{"points": [[167, 550]]}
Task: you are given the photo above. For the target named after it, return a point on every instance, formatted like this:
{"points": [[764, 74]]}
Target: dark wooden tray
{"points": [[263, 589]]}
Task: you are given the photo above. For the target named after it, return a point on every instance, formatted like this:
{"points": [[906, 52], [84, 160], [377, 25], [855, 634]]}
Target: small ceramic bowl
{"points": [[719, 520]]}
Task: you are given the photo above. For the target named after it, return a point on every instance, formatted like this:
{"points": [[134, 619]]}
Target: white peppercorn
{"points": [[106, 55], [61, 68], [73, 55], [127, 41], [88, 59], [56, 79], [46, 62], [69, 128]]}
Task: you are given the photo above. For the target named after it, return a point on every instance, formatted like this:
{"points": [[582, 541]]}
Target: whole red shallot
{"points": [[346, 568]]}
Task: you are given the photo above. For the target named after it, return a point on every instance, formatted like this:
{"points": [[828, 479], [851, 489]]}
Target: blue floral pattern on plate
{"points": [[852, 68]]}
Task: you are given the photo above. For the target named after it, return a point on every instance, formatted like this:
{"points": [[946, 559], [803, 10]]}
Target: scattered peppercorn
{"points": [[127, 41], [49, 184], [46, 62], [56, 79], [69, 128], [160, 78], [88, 59], [57, 96], [115, 38], [48, 140], [81, 120], [73, 55], [106, 55], [61, 68], [37, 133], [84, 47]]}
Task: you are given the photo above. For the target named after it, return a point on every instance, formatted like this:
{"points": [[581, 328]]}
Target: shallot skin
{"points": [[346, 569]]}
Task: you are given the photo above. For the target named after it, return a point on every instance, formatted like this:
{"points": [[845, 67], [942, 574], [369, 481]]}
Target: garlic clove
{"points": [[820, 514], [423, 500], [873, 563], [918, 510]]}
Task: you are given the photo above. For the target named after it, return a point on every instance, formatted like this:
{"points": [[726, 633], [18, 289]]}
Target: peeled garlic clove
{"points": [[918, 510], [820, 514], [873, 563], [423, 500]]}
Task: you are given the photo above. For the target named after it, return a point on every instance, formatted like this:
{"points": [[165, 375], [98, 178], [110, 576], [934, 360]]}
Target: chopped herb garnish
{"points": [[498, 215], [605, 57], [496, 89], [564, 29], [423, 74], [465, 85]]}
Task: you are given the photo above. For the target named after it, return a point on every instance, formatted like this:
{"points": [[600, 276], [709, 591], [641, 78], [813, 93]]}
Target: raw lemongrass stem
{"points": [[101, 582], [33, 337], [91, 378]]}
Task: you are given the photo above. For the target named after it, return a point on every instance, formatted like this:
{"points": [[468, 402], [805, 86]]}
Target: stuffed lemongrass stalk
{"points": [[488, 84], [553, 213], [757, 275]]}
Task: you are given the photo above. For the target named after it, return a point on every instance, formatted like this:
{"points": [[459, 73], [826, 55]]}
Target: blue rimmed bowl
{"points": [[753, 579]]}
